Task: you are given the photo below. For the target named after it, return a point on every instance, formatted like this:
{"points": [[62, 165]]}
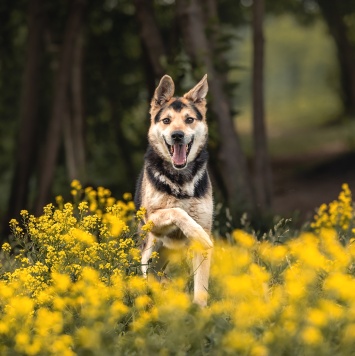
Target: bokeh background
{"points": [[76, 78]]}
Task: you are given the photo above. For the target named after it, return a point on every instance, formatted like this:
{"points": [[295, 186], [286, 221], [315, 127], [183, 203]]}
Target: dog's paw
{"points": [[200, 298], [202, 238]]}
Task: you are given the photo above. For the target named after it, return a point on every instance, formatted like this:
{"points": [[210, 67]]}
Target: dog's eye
{"points": [[166, 121], [189, 120]]}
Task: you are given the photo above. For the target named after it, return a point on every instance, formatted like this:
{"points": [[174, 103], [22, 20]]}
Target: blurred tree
{"points": [[29, 115], [232, 161], [115, 95], [151, 37], [262, 173], [89, 97], [60, 104], [338, 16], [74, 130], [335, 14]]}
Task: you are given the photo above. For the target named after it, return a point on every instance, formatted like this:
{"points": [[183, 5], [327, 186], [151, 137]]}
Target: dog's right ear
{"points": [[163, 93]]}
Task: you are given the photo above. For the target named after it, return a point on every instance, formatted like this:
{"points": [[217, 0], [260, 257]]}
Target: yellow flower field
{"points": [[70, 284]]}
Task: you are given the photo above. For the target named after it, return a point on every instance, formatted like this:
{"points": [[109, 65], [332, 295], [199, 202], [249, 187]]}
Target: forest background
{"points": [[76, 78]]}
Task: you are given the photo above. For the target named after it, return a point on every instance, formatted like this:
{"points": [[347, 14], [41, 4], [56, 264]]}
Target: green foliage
{"points": [[301, 83]]}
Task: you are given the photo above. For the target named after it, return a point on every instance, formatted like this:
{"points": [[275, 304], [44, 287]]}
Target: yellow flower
{"points": [[147, 227], [77, 286], [312, 336], [4, 328], [127, 196], [48, 322], [116, 224], [83, 206], [333, 310], [137, 285], [141, 213], [22, 340], [20, 306], [317, 317], [82, 236], [24, 213], [6, 247], [338, 214], [90, 338], [349, 333], [259, 350], [61, 282], [273, 254], [142, 301], [244, 239], [62, 346], [75, 184], [59, 200], [305, 248], [298, 282], [342, 285], [118, 309], [238, 341], [334, 249]]}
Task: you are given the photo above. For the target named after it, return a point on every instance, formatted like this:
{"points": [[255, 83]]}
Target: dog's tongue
{"points": [[179, 155]]}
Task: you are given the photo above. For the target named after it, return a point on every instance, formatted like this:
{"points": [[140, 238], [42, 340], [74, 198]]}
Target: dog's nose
{"points": [[177, 136]]}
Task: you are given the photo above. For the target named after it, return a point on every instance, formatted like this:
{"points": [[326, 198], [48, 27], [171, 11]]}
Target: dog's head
{"points": [[178, 129]]}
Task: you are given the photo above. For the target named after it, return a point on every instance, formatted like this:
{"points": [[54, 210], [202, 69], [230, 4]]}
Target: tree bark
{"points": [[263, 179], [345, 50], [26, 143], [53, 137], [232, 159]]}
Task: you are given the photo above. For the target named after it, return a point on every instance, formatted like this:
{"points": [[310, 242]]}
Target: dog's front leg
{"points": [[201, 267], [166, 219], [150, 245]]}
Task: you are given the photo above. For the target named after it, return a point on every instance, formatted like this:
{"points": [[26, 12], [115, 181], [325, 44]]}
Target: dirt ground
{"points": [[302, 183]]}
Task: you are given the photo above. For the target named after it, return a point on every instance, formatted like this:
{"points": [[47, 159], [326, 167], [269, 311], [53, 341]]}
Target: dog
{"points": [[174, 186]]}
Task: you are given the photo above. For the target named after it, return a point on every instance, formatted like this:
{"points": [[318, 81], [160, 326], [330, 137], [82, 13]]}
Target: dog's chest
{"points": [[200, 209]]}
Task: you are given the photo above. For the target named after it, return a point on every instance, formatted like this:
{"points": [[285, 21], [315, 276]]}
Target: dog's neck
{"points": [[181, 176], [191, 181]]}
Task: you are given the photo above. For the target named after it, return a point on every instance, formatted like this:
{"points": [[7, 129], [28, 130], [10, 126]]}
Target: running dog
{"points": [[174, 185]]}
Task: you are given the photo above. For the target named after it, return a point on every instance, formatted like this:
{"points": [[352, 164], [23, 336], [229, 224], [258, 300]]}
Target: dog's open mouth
{"points": [[179, 153]]}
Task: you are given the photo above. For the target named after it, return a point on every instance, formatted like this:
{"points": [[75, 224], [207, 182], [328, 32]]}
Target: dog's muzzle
{"points": [[179, 150]]}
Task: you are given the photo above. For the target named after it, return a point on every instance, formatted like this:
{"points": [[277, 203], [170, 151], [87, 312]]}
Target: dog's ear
{"points": [[198, 93], [163, 92]]}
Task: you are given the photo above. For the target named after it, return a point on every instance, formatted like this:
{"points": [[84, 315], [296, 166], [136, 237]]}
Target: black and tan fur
{"points": [[174, 185]]}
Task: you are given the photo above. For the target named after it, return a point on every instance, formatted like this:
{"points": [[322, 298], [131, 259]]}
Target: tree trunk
{"points": [[151, 37], [263, 180], [77, 112], [26, 144], [345, 50], [69, 145], [232, 160], [52, 142]]}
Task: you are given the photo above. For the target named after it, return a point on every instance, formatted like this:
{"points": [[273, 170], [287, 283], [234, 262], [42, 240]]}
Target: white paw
{"points": [[203, 238], [200, 299]]}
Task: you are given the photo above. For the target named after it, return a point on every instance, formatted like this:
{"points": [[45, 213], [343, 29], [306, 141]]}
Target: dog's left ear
{"points": [[164, 92], [198, 93]]}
